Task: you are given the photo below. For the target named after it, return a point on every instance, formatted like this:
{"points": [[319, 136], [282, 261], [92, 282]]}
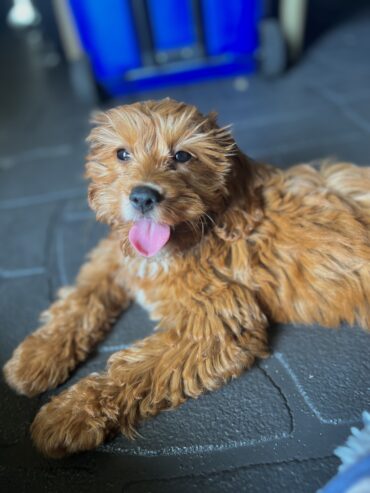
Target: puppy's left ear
{"points": [[245, 209], [245, 205], [222, 135]]}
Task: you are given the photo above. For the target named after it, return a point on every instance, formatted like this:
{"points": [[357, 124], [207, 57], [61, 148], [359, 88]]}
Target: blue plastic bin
{"points": [[140, 44]]}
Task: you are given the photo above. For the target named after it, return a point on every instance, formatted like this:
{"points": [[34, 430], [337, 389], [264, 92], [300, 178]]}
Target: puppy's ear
{"points": [[246, 209], [103, 136], [222, 135], [98, 117]]}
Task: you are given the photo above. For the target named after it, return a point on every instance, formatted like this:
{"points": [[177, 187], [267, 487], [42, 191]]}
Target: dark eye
{"points": [[182, 156], [123, 155]]}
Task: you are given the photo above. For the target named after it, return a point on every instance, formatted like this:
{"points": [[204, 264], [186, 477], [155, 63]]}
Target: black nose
{"points": [[144, 198]]}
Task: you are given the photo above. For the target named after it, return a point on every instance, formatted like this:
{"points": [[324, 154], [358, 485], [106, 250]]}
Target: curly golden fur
{"points": [[249, 244]]}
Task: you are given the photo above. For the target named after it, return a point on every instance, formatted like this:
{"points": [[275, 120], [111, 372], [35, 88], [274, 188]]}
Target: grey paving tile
{"points": [[134, 324], [361, 108], [21, 301], [12, 480], [77, 209], [71, 243], [346, 86], [34, 154], [294, 477], [299, 133], [330, 368], [24, 177], [263, 101], [204, 94], [353, 147], [270, 103], [41, 106], [58, 481], [24, 235], [45, 480], [346, 47], [247, 411], [21, 410], [23, 127]]}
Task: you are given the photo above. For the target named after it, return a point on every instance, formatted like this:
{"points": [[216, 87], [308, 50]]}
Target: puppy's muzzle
{"points": [[144, 198]]}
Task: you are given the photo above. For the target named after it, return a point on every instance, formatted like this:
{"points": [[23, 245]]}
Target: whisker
{"points": [[210, 218], [193, 226], [202, 223]]}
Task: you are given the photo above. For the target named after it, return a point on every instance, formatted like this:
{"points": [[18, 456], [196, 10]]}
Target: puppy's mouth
{"points": [[148, 237]]}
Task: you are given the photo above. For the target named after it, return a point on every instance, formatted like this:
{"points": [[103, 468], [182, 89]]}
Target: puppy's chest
{"points": [[149, 283], [162, 288]]}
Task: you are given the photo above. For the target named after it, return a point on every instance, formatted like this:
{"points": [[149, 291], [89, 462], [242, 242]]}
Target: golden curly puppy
{"points": [[215, 246]]}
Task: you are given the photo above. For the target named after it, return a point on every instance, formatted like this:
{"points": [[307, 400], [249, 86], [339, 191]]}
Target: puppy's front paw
{"points": [[79, 419], [39, 363]]}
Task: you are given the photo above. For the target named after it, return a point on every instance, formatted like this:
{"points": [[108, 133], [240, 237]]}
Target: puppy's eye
{"points": [[123, 155], [182, 156]]}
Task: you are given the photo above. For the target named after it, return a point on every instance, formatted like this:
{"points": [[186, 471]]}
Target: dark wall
{"points": [[4, 8], [323, 15]]}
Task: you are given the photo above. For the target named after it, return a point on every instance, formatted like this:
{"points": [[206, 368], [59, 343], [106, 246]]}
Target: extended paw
{"points": [[38, 364], [79, 419]]}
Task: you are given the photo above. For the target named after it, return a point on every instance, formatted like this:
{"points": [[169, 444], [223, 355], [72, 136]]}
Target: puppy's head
{"points": [[158, 172]]}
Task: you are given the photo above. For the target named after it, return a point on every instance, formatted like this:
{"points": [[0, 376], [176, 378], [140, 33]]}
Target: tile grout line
{"points": [[19, 273], [60, 257], [306, 144], [38, 153], [327, 421], [343, 106], [39, 199]]}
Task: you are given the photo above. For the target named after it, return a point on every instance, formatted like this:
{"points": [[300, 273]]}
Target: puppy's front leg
{"points": [[213, 341], [72, 325]]}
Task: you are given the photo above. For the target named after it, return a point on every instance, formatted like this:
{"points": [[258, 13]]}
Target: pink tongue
{"points": [[148, 237]]}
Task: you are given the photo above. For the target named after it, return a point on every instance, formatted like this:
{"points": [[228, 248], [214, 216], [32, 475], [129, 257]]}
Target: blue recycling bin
{"points": [[141, 44]]}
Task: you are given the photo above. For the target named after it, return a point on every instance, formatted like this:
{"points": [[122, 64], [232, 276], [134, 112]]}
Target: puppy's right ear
{"points": [[103, 136], [97, 119]]}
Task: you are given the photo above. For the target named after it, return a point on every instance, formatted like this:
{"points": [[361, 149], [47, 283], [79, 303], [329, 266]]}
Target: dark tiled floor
{"points": [[273, 429]]}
